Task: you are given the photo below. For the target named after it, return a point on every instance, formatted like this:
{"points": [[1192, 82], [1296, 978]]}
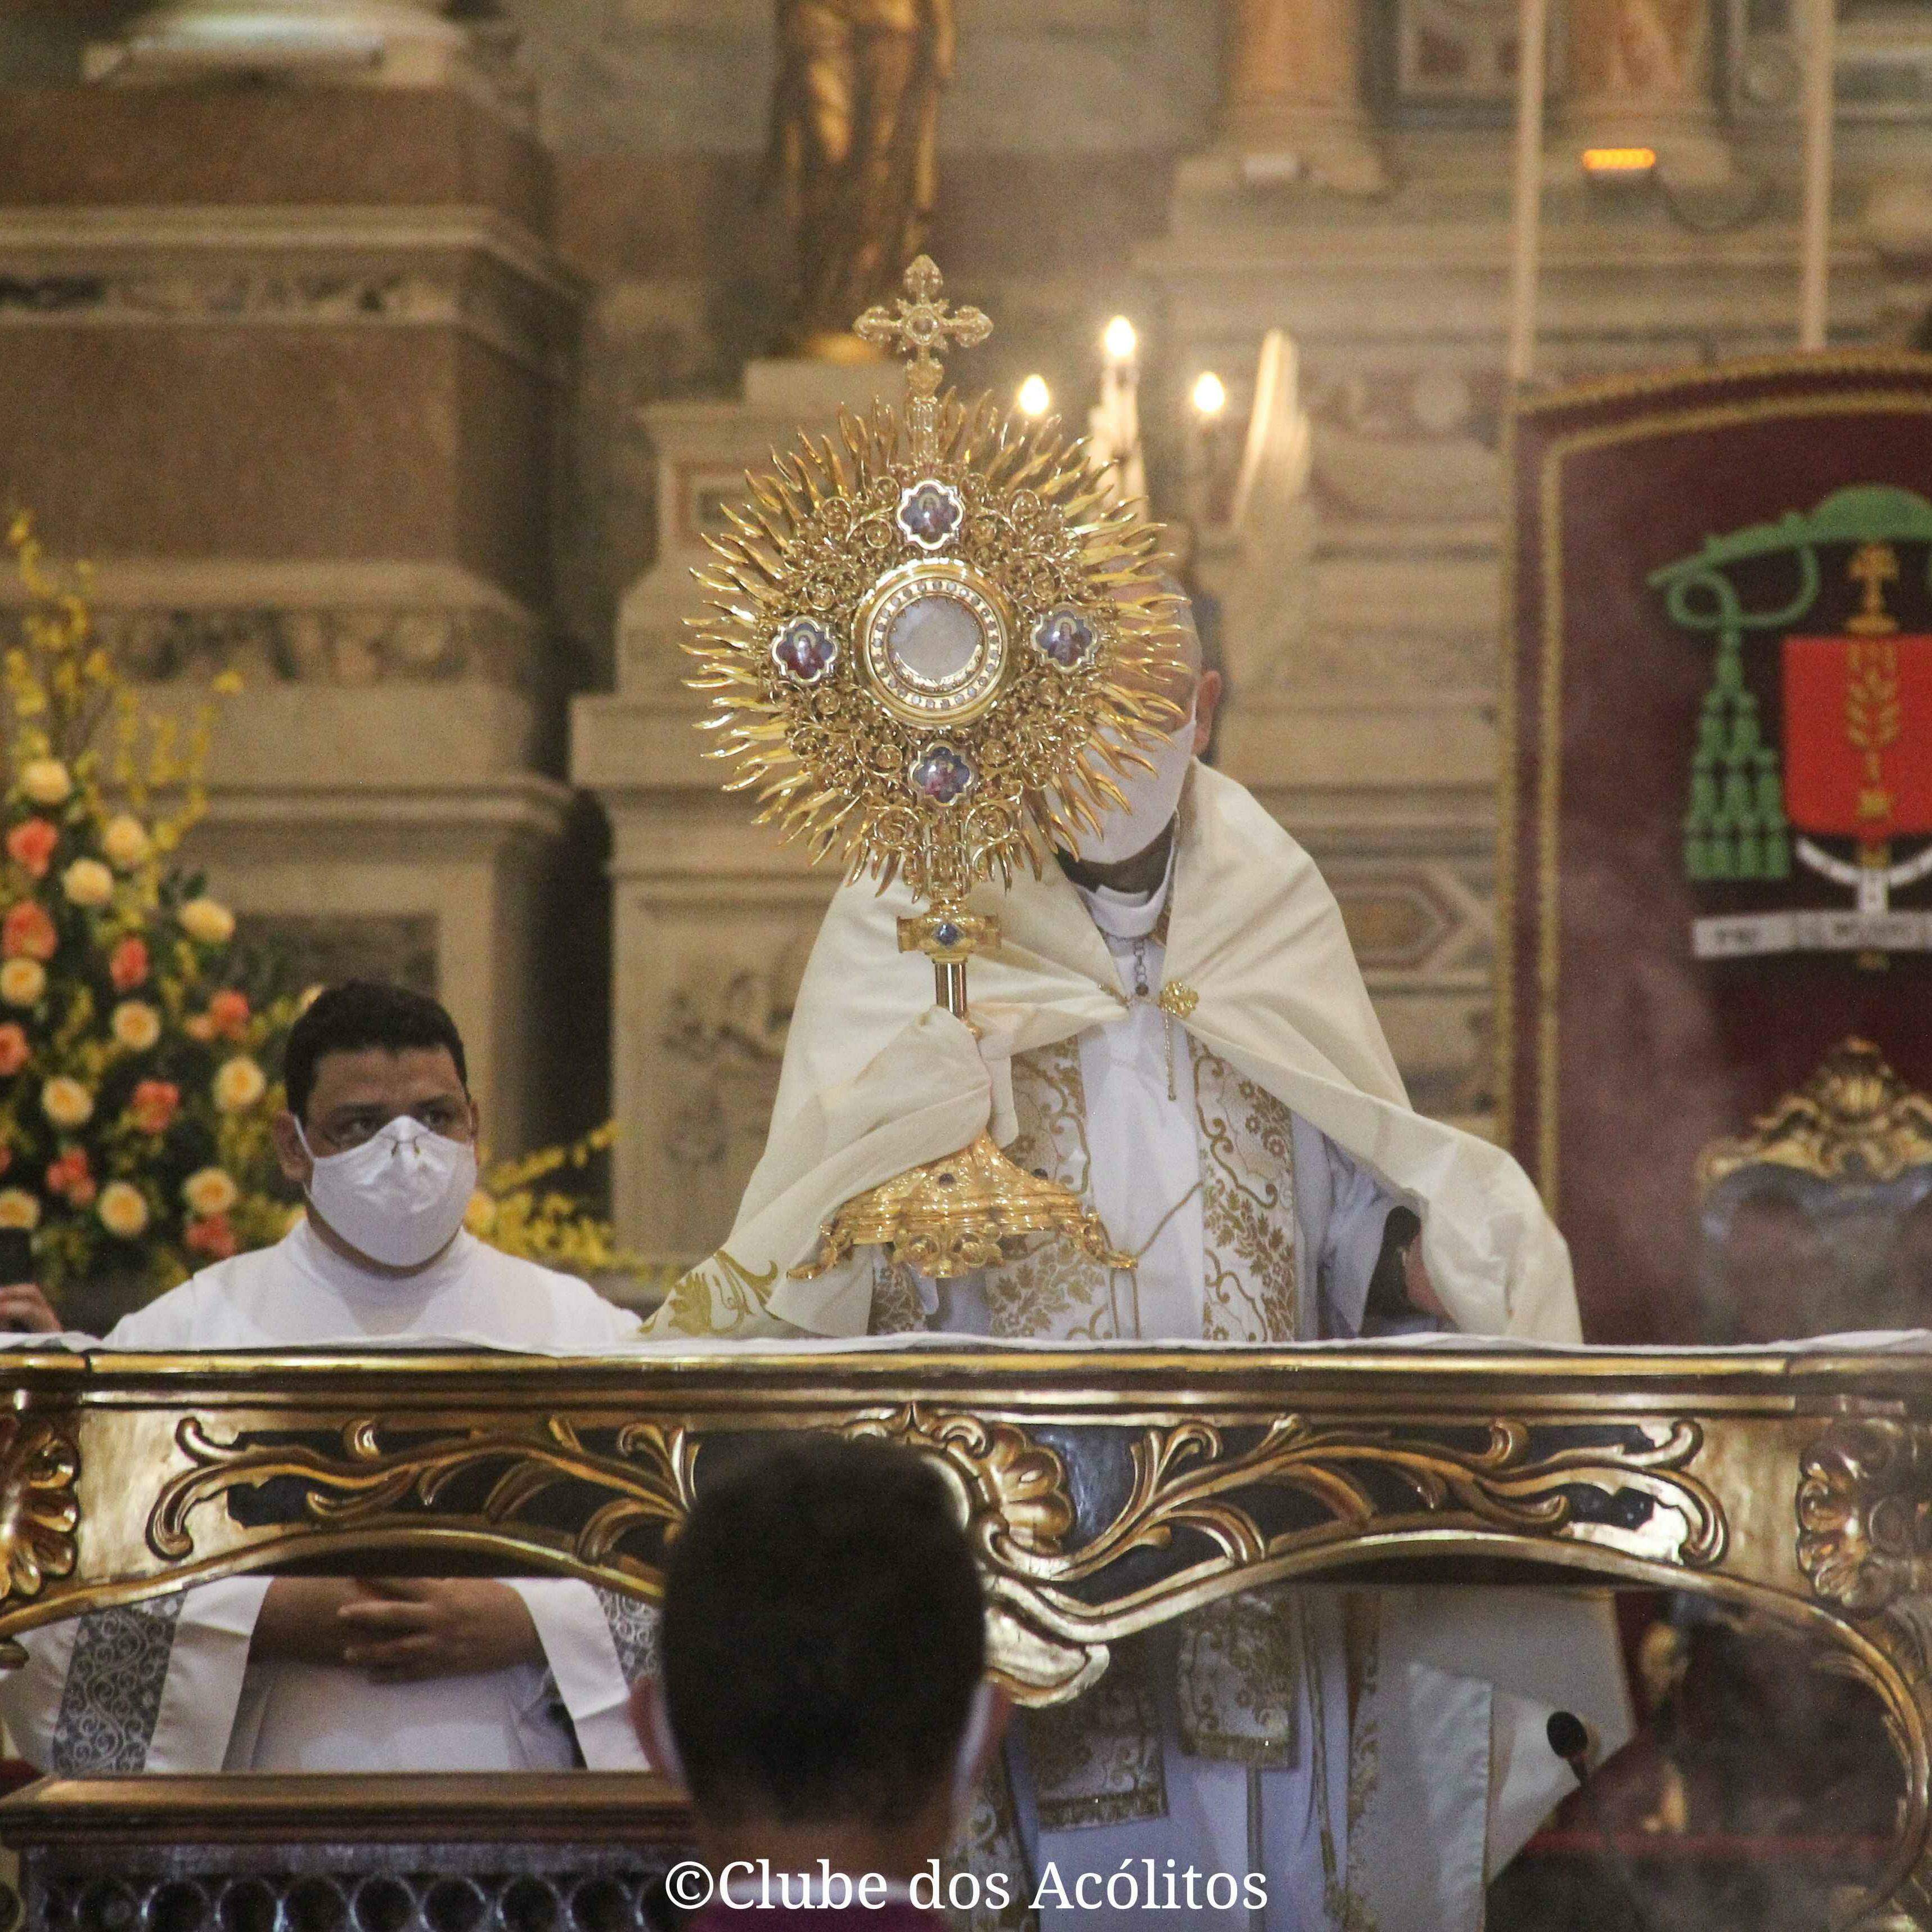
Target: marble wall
{"points": [[288, 367]]}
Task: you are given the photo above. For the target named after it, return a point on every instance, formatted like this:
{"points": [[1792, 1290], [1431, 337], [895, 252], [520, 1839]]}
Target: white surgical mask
{"points": [[1152, 798], [400, 1197]]}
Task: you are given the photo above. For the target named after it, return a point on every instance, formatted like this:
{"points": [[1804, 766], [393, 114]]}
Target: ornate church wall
{"points": [[1217, 169]]}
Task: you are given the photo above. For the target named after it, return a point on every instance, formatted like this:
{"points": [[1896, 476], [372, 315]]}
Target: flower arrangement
{"points": [[139, 1043], [134, 1101], [513, 1211]]}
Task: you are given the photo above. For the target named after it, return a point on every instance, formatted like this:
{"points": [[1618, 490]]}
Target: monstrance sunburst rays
{"points": [[932, 647]]}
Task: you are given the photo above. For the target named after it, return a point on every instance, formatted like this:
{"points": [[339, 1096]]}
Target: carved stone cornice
{"points": [[348, 623], [474, 270]]}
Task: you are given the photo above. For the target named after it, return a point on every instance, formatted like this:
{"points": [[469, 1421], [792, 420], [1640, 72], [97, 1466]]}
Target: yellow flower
{"points": [[208, 921], [87, 882], [46, 781], [227, 684], [66, 1102], [22, 982], [19, 1209], [210, 1192], [136, 1025], [123, 1209], [480, 1216], [239, 1084], [125, 841]]}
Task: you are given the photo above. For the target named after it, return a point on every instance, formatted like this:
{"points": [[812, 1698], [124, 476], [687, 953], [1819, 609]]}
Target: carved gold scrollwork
{"points": [[1184, 1477], [39, 1511], [1013, 1489], [1865, 1513], [1854, 1120], [649, 1479]]}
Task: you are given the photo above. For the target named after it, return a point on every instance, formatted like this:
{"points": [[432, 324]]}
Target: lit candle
{"points": [[1035, 397]]}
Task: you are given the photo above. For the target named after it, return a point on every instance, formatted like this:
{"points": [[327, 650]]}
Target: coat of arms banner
{"points": [[1717, 849]]}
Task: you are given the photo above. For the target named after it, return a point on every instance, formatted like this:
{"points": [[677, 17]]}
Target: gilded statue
{"points": [[855, 127]]}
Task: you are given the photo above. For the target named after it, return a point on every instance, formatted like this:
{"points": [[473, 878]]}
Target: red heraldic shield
{"points": [[1858, 735]]}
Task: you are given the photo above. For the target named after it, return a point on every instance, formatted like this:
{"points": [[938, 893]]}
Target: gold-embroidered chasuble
{"points": [[1055, 1292], [1238, 1668]]}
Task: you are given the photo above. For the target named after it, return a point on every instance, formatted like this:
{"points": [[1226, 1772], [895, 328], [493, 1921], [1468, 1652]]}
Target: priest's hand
{"points": [[23, 1306], [400, 1628], [297, 1620]]}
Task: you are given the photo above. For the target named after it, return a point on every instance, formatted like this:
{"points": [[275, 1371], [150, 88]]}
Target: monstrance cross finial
{"points": [[923, 323]]}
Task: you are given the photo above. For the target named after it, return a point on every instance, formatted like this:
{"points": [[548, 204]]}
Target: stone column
{"points": [[1640, 77], [313, 443], [1294, 96], [379, 43]]}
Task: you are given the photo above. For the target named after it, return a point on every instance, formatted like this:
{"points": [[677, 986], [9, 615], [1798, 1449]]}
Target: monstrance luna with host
{"points": [[931, 648]]}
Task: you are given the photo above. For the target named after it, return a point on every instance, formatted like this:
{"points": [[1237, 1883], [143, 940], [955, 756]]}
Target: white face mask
{"points": [[1152, 799], [400, 1197]]}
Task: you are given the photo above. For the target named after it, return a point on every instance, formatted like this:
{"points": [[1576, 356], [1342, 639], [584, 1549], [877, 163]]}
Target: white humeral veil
{"points": [[168, 1686], [1456, 1772]]}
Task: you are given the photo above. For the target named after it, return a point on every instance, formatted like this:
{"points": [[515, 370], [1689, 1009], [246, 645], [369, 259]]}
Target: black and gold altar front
{"points": [[932, 649], [1104, 1491]]}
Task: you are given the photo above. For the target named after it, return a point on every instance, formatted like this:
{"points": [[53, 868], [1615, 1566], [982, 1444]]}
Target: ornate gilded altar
{"points": [[1107, 1491]]}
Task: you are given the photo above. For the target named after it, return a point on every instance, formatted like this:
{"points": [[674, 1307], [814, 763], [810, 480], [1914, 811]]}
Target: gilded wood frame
{"points": [[1104, 1491]]}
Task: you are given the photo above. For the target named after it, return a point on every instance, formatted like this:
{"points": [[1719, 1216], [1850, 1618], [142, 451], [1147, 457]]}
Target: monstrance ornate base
{"points": [[956, 1214], [952, 1216]]}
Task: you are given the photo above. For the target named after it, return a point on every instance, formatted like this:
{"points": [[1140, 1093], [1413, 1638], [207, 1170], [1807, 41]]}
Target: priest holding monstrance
{"points": [[1171, 1115]]}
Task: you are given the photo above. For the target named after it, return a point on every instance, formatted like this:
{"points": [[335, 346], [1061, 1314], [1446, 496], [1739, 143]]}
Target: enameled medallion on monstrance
{"points": [[931, 647]]}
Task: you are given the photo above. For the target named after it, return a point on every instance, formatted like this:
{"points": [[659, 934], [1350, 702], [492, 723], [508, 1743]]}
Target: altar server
{"points": [[1176, 1028], [327, 1674]]}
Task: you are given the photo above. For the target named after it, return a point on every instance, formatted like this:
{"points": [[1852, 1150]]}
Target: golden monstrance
{"points": [[925, 650]]}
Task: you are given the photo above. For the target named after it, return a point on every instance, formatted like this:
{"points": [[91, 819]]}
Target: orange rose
{"points": [[155, 1104], [28, 933], [214, 1237], [127, 965], [13, 1050], [71, 1176], [228, 1014], [30, 845]]}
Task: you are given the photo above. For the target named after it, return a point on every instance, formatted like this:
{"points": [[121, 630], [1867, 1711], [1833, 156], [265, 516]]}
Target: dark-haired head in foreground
{"points": [[824, 1638]]}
